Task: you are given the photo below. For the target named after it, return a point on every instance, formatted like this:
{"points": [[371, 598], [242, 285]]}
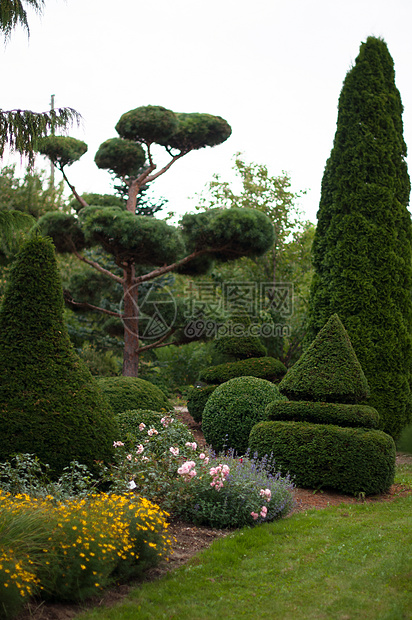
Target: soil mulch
{"points": [[189, 539]]}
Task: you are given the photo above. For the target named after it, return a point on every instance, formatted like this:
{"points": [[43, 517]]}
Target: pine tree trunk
{"points": [[131, 325]]}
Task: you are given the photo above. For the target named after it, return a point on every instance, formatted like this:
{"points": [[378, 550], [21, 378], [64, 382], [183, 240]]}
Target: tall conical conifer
{"points": [[362, 246], [50, 405]]}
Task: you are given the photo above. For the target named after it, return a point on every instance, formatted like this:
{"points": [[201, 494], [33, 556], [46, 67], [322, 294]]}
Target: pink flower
{"points": [[174, 451], [192, 445], [117, 444], [202, 456], [254, 515], [263, 512], [206, 461], [142, 426], [129, 457], [152, 432], [266, 493], [140, 449]]}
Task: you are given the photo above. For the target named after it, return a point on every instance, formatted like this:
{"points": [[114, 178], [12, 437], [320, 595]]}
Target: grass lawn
{"points": [[347, 562]]}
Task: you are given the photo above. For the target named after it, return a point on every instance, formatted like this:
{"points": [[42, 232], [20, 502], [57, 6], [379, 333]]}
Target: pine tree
{"points": [[362, 246], [49, 403]]}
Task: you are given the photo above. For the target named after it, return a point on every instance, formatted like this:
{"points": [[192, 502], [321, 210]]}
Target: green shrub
{"points": [[405, 440], [135, 426], [234, 408], [323, 413], [50, 405], [267, 368], [328, 371], [197, 399], [349, 460], [125, 393]]}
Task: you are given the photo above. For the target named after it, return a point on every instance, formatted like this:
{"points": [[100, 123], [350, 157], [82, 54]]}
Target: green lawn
{"points": [[345, 562]]}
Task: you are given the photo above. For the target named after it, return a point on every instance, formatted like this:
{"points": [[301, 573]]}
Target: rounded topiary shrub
{"points": [[50, 405], [125, 393], [349, 460], [234, 408], [197, 399], [267, 368], [324, 413]]}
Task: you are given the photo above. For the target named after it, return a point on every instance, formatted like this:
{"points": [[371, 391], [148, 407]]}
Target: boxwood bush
{"points": [[197, 399], [125, 393], [267, 368], [349, 460], [234, 408], [324, 413]]}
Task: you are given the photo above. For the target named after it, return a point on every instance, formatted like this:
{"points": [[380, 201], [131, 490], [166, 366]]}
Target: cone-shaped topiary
{"points": [[328, 371], [50, 405]]}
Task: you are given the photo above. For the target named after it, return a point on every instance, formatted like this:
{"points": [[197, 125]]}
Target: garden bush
{"points": [[267, 368], [50, 404], [134, 426], [328, 371], [238, 346], [197, 399], [349, 460], [323, 413], [124, 393], [233, 409]]}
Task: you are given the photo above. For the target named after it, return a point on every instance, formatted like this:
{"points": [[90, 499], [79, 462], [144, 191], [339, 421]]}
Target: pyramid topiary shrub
{"points": [[124, 393], [50, 405], [328, 371], [267, 368], [319, 442], [234, 408]]}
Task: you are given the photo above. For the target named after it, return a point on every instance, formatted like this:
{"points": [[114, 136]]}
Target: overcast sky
{"points": [[273, 69]]}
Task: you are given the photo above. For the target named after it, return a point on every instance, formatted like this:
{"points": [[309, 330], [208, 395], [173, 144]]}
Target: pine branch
{"points": [[84, 305], [98, 267]]}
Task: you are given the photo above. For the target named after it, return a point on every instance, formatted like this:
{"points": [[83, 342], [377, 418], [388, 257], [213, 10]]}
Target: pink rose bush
{"points": [[165, 465]]}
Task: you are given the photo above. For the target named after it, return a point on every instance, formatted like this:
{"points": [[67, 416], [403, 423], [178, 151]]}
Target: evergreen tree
{"points": [[144, 248], [49, 403], [362, 245]]}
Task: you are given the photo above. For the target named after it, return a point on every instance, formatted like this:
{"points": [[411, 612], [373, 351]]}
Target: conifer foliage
{"points": [[49, 403], [362, 246]]}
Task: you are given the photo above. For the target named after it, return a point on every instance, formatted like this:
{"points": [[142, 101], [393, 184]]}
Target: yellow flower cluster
{"points": [[87, 540], [16, 574]]}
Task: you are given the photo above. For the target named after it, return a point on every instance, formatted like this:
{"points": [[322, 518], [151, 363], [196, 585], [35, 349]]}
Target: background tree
{"points": [[289, 259], [144, 248], [362, 245]]}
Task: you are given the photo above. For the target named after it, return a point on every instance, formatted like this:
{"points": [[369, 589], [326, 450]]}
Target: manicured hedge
{"points": [[267, 368], [349, 460], [324, 413], [125, 393], [233, 409], [197, 399]]}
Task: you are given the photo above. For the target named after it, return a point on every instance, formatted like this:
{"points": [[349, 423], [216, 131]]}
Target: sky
{"points": [[273, 69]]}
